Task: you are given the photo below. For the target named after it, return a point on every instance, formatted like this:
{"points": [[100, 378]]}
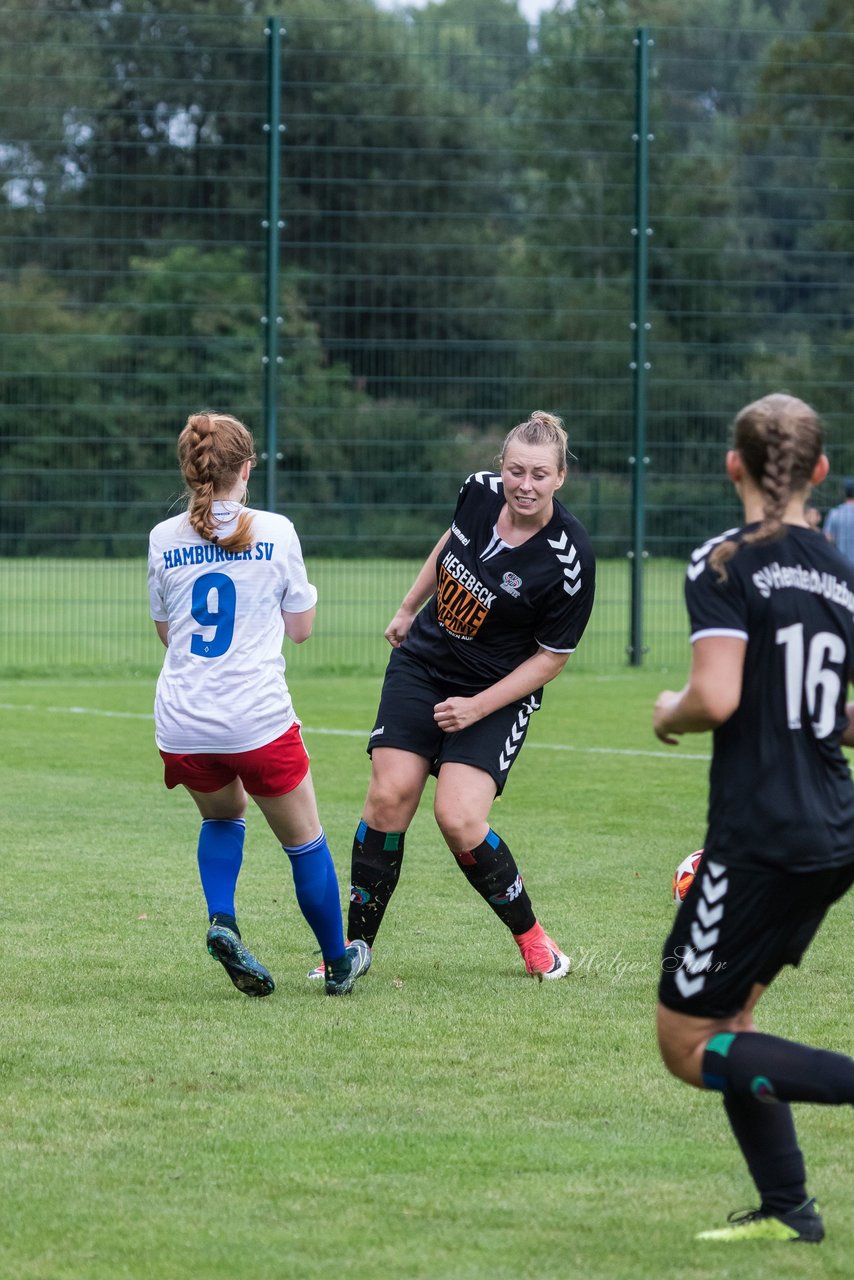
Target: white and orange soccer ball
{"points": [[683, 876]]}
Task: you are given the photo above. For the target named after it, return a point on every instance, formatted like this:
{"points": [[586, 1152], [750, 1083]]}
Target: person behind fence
{"points": [[839, 525], [770, 607], [506, 593], [226, 585]]}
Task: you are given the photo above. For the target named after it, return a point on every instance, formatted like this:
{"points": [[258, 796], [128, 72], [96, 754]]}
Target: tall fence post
{"points": [[640, 327], [272, 224]]}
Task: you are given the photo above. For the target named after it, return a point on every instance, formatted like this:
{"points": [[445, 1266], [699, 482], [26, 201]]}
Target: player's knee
{"points": [[387, 807], [459, 831], [383, 815]]}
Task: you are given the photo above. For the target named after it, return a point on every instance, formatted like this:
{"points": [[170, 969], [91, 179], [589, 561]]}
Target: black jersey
{"points": [[495, 605], [781, 792]]}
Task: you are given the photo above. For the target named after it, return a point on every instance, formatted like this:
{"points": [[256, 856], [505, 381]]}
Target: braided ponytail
{"points": [[211, 450], [780, 440]]}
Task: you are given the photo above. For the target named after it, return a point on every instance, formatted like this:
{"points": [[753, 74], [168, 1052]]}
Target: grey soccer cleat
{"points": [[358, 953]]}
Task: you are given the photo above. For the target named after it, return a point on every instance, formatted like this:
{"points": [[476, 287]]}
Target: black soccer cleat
{"points": [[247, 973]]}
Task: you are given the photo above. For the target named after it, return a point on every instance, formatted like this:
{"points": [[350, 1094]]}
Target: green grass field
{"points": [[452, 1120], [91, 616]]}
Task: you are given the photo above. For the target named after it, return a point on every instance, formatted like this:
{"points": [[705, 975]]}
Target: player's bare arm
{"points": [[417, 595], [711, 695], [162, 629], [457, 713], [298, 626]]}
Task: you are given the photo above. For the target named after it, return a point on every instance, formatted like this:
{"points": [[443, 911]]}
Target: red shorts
{"points": [[271, 770]]}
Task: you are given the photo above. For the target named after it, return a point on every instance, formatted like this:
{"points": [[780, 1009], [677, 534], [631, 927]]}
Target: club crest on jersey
{"points": [[511, 582]]}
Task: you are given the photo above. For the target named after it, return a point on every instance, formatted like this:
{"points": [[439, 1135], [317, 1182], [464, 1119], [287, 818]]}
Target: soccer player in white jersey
{"points": [[771, 607], [226, 585], [506, 593]]}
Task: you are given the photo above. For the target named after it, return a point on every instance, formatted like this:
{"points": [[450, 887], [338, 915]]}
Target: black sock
{"points": [[491, 870], [774, 1070], [374, 872], [768, 1143]]}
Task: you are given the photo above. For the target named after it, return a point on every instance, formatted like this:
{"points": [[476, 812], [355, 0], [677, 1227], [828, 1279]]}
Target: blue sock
{"points": [[220, 856], [317, 893]]}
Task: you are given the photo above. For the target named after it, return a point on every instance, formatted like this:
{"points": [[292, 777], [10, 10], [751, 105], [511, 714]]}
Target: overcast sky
{"points": [[530, 9]]}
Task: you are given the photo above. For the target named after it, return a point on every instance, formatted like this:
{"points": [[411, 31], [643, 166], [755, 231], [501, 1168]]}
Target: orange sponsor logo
{"points": [[460, 612]]}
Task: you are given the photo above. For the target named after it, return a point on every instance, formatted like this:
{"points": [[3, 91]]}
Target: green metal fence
{"points": [[640, 229]]}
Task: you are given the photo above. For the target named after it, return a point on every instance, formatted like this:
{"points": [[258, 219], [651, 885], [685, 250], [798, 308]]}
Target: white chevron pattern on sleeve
{"points": [[698, 557], [484, 477], [569, 559]]}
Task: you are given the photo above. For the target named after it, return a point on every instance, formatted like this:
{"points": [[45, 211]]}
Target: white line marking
{"points": [[620, 751], [77, 711], [363, 733]]}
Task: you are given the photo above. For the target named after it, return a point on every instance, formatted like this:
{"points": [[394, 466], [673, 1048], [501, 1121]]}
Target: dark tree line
{"points": [[458, 207]]}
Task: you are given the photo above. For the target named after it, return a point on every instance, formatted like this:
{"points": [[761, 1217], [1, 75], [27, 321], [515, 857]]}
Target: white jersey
{"points": [[222, 687]]}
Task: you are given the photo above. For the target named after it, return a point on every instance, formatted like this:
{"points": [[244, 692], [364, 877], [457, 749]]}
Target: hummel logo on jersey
{"points": [[375, 733], [569, 559], [462, 537]]}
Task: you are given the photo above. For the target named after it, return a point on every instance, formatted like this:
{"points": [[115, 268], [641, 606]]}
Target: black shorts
{"points": [[739, 926], [405, 721]]}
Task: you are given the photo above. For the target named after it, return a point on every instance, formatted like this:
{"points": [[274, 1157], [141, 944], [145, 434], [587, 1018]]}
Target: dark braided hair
{"points": [[211, 450], [780, 440]]}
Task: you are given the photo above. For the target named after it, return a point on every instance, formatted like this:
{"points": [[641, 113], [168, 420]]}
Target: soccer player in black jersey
{"points": [[499, 605], [771, 607]]}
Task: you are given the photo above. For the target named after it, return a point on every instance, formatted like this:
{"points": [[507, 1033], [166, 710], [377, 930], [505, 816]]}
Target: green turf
{"points": [[91, 616], [452, 1119]]}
